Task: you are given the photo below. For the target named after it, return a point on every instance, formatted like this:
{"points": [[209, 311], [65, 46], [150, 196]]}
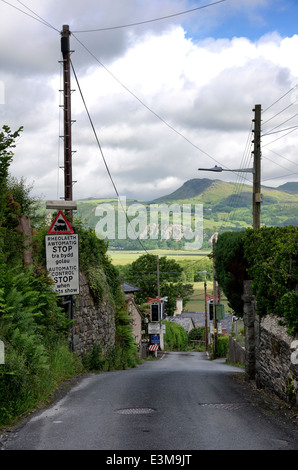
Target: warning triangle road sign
{"points": [[60, 226]]}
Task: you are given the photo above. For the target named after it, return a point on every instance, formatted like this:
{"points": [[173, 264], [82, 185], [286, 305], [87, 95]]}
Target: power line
{"points": [[285, 158], [287, 120], [152, 20], [279, 177], [279, 99], [103, 157], [148, 108], [36, 17], [46, 23], [281, 130], [278, 164], [280, 112], [269, 143], [240, 181]]}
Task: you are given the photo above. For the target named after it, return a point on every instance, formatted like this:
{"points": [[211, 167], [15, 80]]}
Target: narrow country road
{"points": [[180, 402]]}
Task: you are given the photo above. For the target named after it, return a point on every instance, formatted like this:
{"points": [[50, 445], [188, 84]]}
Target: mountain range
{"points": [[226, 206]]}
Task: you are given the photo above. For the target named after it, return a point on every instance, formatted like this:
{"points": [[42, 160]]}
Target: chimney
{"points": [[179, 306]]}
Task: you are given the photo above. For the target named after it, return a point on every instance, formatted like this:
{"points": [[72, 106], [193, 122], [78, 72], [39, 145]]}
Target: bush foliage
{"points": [[231, 269], [176, 337], [143, 273], [222, 346], [268, 256], [272, 259], [34, 328]]}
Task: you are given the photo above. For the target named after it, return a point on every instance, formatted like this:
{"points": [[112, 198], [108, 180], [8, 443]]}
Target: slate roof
{"points": [[198, 319], [129, 288], [187, 323]]}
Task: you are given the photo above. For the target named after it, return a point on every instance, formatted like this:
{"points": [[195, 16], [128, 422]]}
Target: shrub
{"points": [[22, 386], [231, 268], [273, 265], [197, 334], [222, 346], [176, 336]]}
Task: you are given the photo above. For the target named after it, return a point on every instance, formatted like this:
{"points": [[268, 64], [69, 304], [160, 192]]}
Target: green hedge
{"points": [[176, 337], [272, 258], [222, 346], [268, 256]]}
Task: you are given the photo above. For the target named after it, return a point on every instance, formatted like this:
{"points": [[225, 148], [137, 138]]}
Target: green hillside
{"points": [[225, 208], [190, 189], [289, 188]]}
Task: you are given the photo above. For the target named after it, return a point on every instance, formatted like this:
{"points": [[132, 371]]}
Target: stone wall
{"points": [[276, 367], [271, 355], [236, 352], [249, 329], [93, 324]]}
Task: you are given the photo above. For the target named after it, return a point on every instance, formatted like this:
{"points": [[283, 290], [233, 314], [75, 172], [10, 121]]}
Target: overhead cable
{"points": [[150, 109], [279, 99], [36, 17], [102, 154], [152, 20]]}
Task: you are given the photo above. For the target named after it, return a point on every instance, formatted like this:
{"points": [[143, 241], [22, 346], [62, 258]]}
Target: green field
{"points": [[197, 301], [126, 257]]}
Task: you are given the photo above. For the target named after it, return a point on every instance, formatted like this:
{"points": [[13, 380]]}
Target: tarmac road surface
{"points": [[180, 402]]}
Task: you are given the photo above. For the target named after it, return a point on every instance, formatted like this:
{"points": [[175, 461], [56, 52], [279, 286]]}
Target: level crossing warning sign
{"points": [[62, 253], [60, 225]]}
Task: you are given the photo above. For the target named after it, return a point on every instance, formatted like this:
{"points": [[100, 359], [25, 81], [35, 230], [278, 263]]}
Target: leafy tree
{"points": [[143, 273], [7, 142], [272, 254], [268, 256], [176, 336], [231, 268], [21, 193]]}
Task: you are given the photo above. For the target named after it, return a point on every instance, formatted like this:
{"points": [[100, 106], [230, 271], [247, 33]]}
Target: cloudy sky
{"points": [[170, 86]]}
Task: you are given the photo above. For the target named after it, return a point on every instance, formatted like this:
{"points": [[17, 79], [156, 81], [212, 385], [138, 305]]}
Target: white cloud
{"points": [[204, 88]]}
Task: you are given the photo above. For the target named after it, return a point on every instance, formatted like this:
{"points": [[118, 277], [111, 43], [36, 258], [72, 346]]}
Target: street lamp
{"points": [[219, 169], [256, 170], [257, 197]]}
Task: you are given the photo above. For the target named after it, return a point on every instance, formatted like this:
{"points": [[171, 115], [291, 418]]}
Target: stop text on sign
{"points": [[62, 253]]}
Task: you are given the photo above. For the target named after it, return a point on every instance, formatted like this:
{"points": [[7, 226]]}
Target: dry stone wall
{"points": [[276, 364], [94, 324], [271, 355]]}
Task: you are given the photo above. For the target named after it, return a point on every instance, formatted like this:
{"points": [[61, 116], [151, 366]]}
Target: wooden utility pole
{"points": [[206, 318], [158, 281], [65, 49], [257, 197], [214, 297]]}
